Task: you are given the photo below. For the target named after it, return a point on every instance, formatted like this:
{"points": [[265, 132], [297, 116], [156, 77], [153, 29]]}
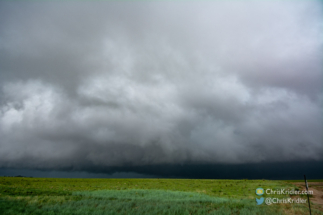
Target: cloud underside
{"points": [[146, 83]]}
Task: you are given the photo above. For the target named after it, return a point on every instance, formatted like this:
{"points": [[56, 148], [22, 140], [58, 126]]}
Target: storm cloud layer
{"points": [[146, 83]]}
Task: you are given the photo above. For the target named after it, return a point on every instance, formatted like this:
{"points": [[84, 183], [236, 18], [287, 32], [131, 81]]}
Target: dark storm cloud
{"points": [[100, 84]]}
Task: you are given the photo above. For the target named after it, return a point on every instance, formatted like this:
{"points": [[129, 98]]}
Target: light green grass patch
{"points": [[152, 195]]}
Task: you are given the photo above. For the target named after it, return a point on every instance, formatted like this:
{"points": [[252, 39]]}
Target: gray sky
{"points": [[109, 83]]}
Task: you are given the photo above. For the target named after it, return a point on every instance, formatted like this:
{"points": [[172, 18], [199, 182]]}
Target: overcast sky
{"points": [[132, 83]]}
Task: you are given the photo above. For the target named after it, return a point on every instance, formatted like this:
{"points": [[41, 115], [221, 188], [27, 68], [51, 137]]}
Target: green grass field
{"points": [[140, 196]]}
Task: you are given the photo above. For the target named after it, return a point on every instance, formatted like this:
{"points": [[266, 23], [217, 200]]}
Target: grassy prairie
{"points": [[139, 196], [311, 180]]}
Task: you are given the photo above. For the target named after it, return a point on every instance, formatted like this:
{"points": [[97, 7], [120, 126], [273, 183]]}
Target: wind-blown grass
{"points": [[138, 196], [152, 195], [135, 202]]}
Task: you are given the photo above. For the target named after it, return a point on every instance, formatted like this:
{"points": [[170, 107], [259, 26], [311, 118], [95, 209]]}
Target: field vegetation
{"points": [[20, 195]]}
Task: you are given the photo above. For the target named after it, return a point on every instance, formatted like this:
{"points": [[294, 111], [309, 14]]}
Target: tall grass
{"points": [[136, 202], [138, 196]]}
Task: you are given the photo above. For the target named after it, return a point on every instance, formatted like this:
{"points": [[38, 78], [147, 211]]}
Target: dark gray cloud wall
{"points": [[145, 83]]}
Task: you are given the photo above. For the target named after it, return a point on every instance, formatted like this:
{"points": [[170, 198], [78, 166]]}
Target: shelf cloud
{"points": [[102, 84]]}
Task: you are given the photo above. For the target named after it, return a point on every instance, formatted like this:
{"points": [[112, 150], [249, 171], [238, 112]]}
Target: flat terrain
{"points": [[20, 195], [317, 197]]}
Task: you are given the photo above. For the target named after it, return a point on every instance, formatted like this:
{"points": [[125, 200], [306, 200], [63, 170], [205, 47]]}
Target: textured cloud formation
{"points": [[143, 83]]}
